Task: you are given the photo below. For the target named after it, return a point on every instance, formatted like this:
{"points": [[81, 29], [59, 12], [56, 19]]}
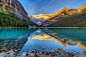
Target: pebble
{"points": [[57, 53]]}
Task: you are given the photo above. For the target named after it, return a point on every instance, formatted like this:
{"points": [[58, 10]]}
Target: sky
{"points": [[35, 7]]}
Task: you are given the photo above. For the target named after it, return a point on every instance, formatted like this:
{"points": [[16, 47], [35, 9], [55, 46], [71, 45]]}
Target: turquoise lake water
{"points": [[43, 39]]}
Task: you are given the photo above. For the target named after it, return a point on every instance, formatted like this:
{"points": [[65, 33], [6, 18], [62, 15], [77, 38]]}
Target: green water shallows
{"points": [[13, 38], [69, 39]]}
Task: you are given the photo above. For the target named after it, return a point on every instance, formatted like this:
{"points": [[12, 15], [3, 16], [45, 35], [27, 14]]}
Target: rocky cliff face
{"points": [[44, 16], [38, 21], [72, 11], [16, 7]]}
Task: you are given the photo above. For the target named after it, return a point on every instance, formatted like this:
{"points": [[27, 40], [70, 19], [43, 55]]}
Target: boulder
{"points": [[73, 53], [24, 54], [80, 55], [32, 54], [83, 53], [4, 55], [61, 50]]}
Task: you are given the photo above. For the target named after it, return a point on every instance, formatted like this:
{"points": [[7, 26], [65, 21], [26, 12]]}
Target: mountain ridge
{"points": [[13, 14], [65, 9], [84, 6], [15, 6], [64, 14]]}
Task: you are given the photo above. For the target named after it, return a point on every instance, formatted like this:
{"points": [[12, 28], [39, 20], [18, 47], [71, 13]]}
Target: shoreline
{"points": [[44, 27], [13, 27], [60, 27], [57, 53]]}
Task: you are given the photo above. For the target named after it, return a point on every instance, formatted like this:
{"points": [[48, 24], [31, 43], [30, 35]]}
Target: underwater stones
{"points": [[7, 52], [12, 55], [11, 51], [3, 54], [15, 50]]}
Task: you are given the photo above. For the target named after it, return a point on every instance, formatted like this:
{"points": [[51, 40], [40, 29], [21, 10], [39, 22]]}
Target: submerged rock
{"points": [[3, 55]]}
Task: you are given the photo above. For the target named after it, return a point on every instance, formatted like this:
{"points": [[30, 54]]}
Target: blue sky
{"points": [[34, 7]]}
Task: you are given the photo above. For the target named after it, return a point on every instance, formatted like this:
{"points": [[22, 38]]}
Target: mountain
{"points": [[74, 20], [82, 8], [44, 16], [38, 21], [12, 14], [63, 17], [41, 18], [65, 44], [48, 16], [15, 7], [8, 19]]}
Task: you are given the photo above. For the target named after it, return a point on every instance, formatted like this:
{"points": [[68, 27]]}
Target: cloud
{"points": [[35, 7], [30, 5], [31, 11], [46, 6]]}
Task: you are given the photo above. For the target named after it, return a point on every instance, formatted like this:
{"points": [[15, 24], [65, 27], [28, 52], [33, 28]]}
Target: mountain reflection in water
{"points": [[50, 39]]}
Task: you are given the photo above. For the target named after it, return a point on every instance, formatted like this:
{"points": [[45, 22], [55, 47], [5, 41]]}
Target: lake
{"points": [[43, 39]]}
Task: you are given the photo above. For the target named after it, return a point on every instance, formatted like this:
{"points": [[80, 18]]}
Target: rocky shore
{"points": [[57, 53]]}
